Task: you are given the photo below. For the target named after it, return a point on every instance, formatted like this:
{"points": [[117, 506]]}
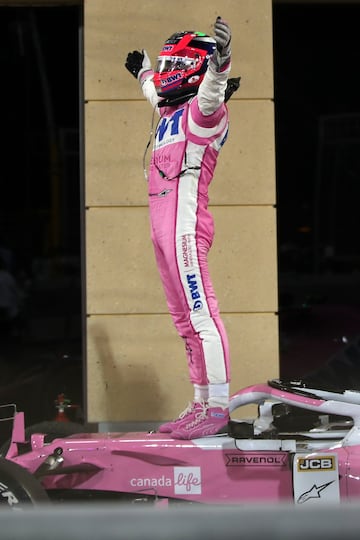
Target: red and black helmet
{"points": [[182, 63]]}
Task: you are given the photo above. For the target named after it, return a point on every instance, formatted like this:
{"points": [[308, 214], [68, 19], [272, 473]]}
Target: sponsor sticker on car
{"points": [[315, 479], [254, 459]]}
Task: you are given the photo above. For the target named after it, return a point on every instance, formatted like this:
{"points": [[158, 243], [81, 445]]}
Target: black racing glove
{"points": [[137, 62]]}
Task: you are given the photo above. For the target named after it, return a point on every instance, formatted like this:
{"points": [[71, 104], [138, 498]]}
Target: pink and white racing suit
{"points": [[187, 142]]}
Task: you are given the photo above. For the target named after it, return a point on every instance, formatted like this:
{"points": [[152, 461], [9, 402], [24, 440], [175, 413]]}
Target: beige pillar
{"points": [[136, 366]]}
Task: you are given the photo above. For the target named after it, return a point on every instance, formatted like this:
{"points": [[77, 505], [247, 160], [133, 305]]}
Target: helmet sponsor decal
{"points": [[171, 79], [194, 79]]}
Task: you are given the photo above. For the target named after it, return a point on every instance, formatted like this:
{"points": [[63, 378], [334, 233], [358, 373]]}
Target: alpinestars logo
{"points": [[313, 493], [162, 193]]}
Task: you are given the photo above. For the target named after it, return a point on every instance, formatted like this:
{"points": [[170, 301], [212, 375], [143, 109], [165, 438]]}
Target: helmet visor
{"points": [[175, 63]]}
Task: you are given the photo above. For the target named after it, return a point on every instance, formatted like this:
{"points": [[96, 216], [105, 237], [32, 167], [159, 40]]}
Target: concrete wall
{"points": [[136, 367]]}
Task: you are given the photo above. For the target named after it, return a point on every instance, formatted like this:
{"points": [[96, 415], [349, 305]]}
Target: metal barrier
{"points": [[255, 522]]}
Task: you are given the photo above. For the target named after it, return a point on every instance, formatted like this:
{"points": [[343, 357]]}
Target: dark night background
{"points": [[41, 352], [317, 111]]}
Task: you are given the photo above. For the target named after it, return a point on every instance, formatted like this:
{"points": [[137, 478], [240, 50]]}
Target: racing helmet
{"points": [[182, 63]]}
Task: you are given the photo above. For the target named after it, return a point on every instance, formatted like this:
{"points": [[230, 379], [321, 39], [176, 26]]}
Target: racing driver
{"points": [[188, 89]]}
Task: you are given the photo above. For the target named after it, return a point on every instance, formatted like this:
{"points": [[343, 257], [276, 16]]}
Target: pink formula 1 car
{"points": [[303, 446]]}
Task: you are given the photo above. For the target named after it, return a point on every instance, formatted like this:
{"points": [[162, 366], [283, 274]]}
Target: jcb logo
{"points": [[320, 463]]}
